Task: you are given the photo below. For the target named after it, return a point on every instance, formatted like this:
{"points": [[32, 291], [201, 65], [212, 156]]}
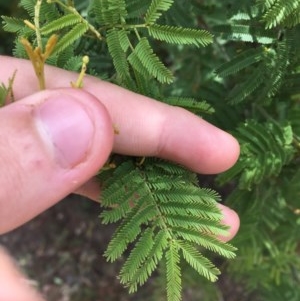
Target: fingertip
{"points": [[230, 219], [230, 151], [219, 150]]}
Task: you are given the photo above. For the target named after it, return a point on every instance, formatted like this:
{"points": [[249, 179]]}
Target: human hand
{"points": [[53, 142]]}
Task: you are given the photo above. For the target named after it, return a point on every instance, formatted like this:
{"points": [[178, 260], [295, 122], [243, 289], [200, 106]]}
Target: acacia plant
{"points": [[235, 63]]}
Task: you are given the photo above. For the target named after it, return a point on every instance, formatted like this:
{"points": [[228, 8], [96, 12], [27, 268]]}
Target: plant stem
{"points": [[37, 10], [73, 10], [71, 3]]}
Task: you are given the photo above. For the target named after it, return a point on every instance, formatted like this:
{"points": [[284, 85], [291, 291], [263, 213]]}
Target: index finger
{"points": [[147, 127]]}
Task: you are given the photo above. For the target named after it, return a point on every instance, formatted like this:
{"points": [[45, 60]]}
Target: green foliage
{"points": [[285, 12], [243, 60], [7, 92], [181, 36], [147, 63], [156, 9], [12, 24], [3, 95], [259, 75], [109, 12], [266, 149], [196, 106], [109, 20], [61, 23], [163, 215], [69, 38], [246, 81]]}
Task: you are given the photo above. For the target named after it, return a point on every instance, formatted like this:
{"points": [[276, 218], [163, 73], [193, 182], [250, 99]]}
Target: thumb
{"points": [[13, 285], [51, 143]]}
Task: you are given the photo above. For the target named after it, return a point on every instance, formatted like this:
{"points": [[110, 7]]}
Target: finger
{"points": [[147, 127], [90, 189], [230, 219], [13, 285], [51, 143]]}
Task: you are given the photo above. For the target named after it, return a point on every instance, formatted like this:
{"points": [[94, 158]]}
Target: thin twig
{"points": [[37, 11]]}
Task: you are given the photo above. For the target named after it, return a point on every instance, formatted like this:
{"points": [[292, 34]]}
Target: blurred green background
{"points": [[8, 8]]}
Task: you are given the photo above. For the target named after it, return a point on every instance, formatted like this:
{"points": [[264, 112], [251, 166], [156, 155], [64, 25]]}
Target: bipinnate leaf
{"points": [[169, 217], [12, 24], [280, 11], [144, 60], [267, 149], [173, 272], [241, 61], [61, 23], [193, 105], [156, 9], [138, 256], [69, 38], [201, 264], [180, 35], [118, 52], [149, 264], [109, 12]]}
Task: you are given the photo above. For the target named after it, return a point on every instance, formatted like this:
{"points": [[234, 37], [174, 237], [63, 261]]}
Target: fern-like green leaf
{"points": [[108, 12], [61, 23], [12, 24], [117, 52], [160, 208], [7, 91], [204, 225], [277, 65], [191, 104], [244, 33], [201, 264], [267, 148], [280, 11], [293, 19], [130, 229], [69, 38], [144, 60], [294, 118], [206, 241], [141, 274], [181, 14], [29, 6], [241, 91], [175, 200], [179, 35], [74, 63], [173, 272], [48, 11], [3, 94], [125, 197], [138, 255], [19, 50], [243, 60], [156, 9], [137, 8], [266, 4]]}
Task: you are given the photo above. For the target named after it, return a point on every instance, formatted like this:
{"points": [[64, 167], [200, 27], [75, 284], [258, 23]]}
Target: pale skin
{"points": [[41, 162]]}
